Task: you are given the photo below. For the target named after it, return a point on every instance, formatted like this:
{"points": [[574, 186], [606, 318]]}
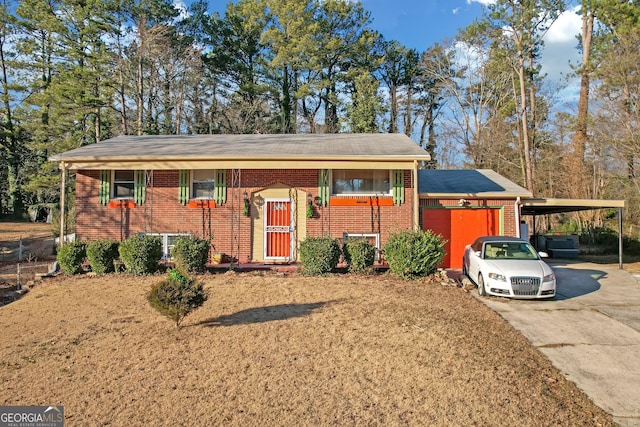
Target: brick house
{"points": [[256, 197]]}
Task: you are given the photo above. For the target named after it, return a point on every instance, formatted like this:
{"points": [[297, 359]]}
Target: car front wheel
{"points": [[481, 290]]}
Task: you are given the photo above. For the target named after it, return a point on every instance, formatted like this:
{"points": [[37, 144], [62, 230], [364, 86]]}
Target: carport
{"points": [[541, 206]]}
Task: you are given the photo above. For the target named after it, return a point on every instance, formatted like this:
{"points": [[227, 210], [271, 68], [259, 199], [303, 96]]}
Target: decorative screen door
{"points": [[278, 229]]}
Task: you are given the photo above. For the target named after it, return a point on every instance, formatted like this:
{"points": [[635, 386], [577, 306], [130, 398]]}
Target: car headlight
{"points": [[496, 276], [549, 278]]}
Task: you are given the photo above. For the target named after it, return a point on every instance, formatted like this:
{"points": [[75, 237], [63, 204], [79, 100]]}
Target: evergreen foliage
{"points": [[177, 296], [141, 254], [101, 255], [319, 255], [414, 254], [71, 256], [191, 254], [359, 254]]}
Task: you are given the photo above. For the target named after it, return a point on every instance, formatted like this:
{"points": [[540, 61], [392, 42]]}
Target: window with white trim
{"points": [[360, 181], [168, 241], [373, 238], [123, 184], [203, 183]]}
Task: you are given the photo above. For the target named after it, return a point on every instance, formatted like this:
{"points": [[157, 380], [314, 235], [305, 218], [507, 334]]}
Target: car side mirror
{"points": [[478, 253], [543, 255]]}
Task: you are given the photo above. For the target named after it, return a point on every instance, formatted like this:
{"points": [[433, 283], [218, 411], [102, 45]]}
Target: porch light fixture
{"points": [[309, 199]]}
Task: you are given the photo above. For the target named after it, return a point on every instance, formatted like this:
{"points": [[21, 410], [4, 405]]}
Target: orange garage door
{"points": [[460, 227]]}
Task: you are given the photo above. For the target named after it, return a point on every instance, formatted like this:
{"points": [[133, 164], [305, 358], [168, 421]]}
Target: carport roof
{"points": [[542, 206]]}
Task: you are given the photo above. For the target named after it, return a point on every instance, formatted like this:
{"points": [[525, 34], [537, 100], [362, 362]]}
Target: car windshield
{"points": [[509, 250]]}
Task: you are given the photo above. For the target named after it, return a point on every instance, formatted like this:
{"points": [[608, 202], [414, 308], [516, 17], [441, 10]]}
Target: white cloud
{"points": [[182, 7], [456, 11], [565, 28], [561, 45], [482, 2]]}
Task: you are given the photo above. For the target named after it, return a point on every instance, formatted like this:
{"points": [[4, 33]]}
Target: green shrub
{"points": [[190, 254], [359, 254], [101, 255], [141, 254], [319, 255], [176, 296], [71, 256], [413, 254]]}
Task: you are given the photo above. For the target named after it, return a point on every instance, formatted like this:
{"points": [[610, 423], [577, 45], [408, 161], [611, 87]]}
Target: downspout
{"points": [[516, 207], [620, 239], [416, 196], [63, 180]]}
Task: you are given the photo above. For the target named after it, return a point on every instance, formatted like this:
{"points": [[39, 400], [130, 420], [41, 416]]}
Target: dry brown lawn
{"points": [[37, 247], [10, 230], [279, 350]]}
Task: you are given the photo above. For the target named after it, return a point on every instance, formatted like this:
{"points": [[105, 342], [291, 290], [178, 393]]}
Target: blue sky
{"points": [[420, 23]]}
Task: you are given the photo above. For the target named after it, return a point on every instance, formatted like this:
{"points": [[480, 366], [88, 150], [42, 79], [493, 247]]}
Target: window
{"points": [[123, 184], [355, 182], [373, 238], [203, 184], [168, 241]]}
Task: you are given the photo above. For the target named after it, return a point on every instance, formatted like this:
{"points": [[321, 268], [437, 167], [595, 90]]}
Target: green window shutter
{"points": [[140, 187], [105, 187], [221, 186], [183, 186], [398, 187], [323, 186]]}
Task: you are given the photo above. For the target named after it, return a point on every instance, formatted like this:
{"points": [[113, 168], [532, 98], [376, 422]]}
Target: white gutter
{"points": [[516, 207], [63, 185], [416, 197]]}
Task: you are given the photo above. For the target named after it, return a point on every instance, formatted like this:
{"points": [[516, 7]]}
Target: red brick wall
{"points": [[334, 221], [162, 213]]}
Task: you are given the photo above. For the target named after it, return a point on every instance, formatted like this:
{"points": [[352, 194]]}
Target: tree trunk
{"points": [[575, 166], [580, 136], [331, 110], [393, 118], [140, 80], [524, 121], [286, 101], [408, 121]]}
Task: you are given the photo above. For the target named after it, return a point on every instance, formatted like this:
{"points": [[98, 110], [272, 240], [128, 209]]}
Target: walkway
{"points": [[590, 331]]}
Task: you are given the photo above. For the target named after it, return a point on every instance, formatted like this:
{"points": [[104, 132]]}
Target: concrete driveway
{"points": [[590, 331]]}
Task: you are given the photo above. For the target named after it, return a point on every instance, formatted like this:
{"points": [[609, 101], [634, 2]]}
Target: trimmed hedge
{"points": [[101, 255], [414, 254], [190, 254], [359, 254], [319, 255], [71, 256], [177, 296], [141, 254]]}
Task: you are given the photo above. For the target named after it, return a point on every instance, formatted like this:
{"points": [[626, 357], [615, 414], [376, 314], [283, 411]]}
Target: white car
{"points": [[508, 267]]}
